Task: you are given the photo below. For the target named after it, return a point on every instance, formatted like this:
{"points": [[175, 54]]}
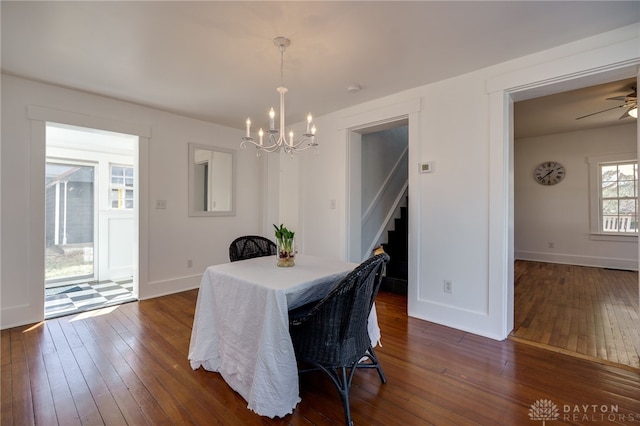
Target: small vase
{"points": [[286, 252]]}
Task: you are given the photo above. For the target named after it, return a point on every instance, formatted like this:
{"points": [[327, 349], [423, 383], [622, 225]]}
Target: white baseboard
{"points": [[14, 316], [567, 259], [170, 286]]}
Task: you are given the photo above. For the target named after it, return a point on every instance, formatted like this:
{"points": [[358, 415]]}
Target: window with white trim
{"points": [[618, 187], [121, 187], [613, 196]]}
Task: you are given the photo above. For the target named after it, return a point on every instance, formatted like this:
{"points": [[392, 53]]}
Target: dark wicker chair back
{"points": [[250, 246], [332, 336]]}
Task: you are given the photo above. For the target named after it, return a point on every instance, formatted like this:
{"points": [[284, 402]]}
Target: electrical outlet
{"points": [[189, 263], [448, 286]]}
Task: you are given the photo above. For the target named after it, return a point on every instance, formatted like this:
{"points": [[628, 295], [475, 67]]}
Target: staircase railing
{"points": [[389, 219], [395, 185]]}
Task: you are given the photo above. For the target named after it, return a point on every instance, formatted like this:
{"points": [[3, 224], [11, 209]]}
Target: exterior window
{"points": [[619, 197], [121, 187]]}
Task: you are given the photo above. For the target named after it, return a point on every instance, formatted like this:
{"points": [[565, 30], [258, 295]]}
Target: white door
{"points": [[116, 224]]}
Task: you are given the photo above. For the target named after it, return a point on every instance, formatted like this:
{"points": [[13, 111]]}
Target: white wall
{"points": [[559, 214], [169, 237], [461, 215]]}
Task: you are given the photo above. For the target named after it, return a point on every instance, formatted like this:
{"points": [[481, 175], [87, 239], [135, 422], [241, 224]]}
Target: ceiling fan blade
{"points": [[626, 113], [618, 98], [604, 110]]}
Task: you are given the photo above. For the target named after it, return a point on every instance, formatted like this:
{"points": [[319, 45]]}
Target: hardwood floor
{"points": [[128, 365], [592, 312]]}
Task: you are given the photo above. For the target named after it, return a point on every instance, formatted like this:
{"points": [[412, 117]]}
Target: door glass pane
{"points": [[121, 187], [69, 217]]}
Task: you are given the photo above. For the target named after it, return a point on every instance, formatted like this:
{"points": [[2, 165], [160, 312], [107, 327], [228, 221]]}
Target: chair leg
{"points": [[344, 396], [374, 364], [374, 358], [342, 381]]}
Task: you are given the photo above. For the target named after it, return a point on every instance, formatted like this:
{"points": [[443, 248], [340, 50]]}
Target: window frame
{"points": [[596, 231]]}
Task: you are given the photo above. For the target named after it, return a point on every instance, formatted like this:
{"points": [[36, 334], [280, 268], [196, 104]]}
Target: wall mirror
{"points": [[212, 183]]}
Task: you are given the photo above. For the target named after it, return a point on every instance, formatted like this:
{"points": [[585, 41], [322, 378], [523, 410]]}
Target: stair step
{"points": [[397, 269], [397, 247], [400, 225], [394, 285], [404, 212], [396, 252], [395, 238]]}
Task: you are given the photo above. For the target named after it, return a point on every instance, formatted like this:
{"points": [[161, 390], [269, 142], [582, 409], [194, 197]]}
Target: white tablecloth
{"points": [[241, 326]]}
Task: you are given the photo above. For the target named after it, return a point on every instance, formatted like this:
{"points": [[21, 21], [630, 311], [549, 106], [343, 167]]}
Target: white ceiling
{"points": [[216, 60], [561, 112]]}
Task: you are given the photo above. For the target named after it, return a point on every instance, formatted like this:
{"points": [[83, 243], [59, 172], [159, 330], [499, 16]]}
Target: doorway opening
{"points": [[90, 218], [575, 278], [379, 190]]}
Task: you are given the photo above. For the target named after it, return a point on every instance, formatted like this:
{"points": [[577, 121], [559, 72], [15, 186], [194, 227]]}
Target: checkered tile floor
{"points": [[85, 297]]}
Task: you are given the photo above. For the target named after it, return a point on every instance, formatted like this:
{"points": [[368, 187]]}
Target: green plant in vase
{"points": [[286, 246]]}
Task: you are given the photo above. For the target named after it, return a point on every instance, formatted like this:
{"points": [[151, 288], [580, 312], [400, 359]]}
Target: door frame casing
{"points": [[610, 63], [408, 110], [38, 116]]}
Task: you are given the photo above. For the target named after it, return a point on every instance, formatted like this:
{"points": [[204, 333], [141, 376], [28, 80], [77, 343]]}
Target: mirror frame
{"points": [[191, 184]]}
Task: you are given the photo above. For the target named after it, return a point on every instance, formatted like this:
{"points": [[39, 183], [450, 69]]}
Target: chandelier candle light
{"points": [[276, 138]]}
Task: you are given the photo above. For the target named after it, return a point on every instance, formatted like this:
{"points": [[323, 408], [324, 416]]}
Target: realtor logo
{"points": [[544, 409]]}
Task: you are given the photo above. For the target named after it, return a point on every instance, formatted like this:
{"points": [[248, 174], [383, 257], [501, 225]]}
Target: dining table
{"points": [[241, 325]]}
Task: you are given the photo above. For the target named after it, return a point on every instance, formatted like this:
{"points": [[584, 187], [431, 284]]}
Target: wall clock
{"points": [[549, 173]]}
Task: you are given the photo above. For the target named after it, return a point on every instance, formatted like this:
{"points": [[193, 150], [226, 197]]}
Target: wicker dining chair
{"points": [[250, 246], [332, 335]]}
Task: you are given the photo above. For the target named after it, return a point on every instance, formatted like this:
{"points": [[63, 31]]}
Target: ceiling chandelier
{"points": [[274, 139]]}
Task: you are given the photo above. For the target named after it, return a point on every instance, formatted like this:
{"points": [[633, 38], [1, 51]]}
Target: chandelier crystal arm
{"points": [[276, 138]]}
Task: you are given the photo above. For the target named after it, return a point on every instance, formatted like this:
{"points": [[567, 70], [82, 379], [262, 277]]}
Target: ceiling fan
{"points": [[629, 101]]}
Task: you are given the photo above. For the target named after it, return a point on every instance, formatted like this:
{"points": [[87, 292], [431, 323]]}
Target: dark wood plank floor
{"points": [[128, 365], [592, 312]]}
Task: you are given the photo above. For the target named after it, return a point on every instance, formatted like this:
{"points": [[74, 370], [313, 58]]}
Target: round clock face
{"points": [[549, 173]]}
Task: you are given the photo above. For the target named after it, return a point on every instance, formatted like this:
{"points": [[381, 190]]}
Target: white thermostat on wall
{"points": [[426, 167]]}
